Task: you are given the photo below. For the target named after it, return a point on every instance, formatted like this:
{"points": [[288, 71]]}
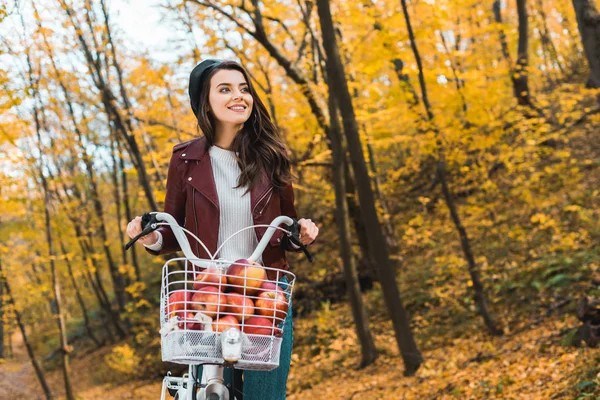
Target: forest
{"points": [[449, 152]]}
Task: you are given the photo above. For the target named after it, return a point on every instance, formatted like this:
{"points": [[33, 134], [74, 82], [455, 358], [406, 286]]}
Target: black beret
{"points": [[201, 70]]}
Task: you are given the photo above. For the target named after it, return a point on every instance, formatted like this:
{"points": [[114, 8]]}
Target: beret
{"points": [[199, 72]]}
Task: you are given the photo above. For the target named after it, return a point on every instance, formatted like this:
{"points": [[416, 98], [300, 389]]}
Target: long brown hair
{"points": [[258, 145]]}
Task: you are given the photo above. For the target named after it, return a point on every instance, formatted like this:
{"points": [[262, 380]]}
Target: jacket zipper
{"points": [[195, 220], [268, 192], [266, 202]]}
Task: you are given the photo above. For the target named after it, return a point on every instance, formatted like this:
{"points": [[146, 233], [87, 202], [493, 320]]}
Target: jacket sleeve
{"points": [[175, 200], [288, 208]]}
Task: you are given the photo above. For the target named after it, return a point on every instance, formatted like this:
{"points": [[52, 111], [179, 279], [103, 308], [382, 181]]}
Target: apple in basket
{"points": [[225, 322], [210, 277], [189, 321], [268, 286], [271, 304], [260, 326], [209, 300], [239, 306], [249, 276], [176, 305]]}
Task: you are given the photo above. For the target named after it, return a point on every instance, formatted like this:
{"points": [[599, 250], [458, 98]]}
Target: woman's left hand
{"points": [[308, 231]]}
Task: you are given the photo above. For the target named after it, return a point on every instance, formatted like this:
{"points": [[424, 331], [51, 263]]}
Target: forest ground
{"points": [[533, 362]]}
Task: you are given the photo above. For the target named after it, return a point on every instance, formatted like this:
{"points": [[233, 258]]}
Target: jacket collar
{"points": [[203, 178]]}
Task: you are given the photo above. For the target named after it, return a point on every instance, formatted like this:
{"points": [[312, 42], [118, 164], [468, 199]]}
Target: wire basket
{"points": [[196, 305]]}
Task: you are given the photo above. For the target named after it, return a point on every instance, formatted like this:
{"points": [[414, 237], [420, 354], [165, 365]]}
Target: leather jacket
{"points": [[192, 200]]}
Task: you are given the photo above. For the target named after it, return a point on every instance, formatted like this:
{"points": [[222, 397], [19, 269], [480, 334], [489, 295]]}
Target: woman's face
{"points": [[229, 99]]}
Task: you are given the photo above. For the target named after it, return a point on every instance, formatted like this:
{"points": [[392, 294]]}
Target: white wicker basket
{"points": [[193, 303]]}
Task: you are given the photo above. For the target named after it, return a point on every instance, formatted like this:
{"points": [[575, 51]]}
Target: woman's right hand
{"points": [[134, 227]]}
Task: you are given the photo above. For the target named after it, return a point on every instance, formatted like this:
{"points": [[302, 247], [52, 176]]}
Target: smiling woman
{"points": [[234, 176]]}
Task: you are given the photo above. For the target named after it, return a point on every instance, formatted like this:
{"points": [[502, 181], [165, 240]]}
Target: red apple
{"points": [[225, 322], [272, 304], [191, 323], [176, 305], [239, 305], [210, 277], [249, 277], [268, 286], [259, 326], [209, 300]]}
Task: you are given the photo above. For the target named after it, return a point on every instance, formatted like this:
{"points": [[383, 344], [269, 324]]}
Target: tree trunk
{"points": [[480, 297], [588, 21], [51, 254], [84, 312], [117, 196], [521, 72], [128, 214], [66, 349], [547, 38], [34, 362], [404, 337], [359, 312]]}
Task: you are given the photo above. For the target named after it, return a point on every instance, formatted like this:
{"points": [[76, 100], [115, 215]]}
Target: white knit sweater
{"points": [[234, 205]]}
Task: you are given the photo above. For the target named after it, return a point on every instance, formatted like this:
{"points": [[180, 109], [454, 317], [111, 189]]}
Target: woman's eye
{"points": [[223, 90], [245, 90]]}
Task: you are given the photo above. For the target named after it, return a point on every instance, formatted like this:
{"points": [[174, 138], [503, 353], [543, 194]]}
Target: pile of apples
{"points": [[241, 298]]}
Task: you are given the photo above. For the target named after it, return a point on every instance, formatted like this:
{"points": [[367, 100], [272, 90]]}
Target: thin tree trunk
{"points": [[64, 344], [86, 251], [128, 214], [547, 38], [39, 373], [404, 337], [521, 73], [115, 180], [65, 348], [84, 311], [588, 21], [51, 254], [359, 312], [480, 297]]}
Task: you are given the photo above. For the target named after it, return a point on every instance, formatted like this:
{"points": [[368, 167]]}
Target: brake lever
{"points": [[294, 236], [149, 224]]}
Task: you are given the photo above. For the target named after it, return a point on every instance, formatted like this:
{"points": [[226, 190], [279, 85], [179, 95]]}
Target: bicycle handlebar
{"points": [[151, 222]]}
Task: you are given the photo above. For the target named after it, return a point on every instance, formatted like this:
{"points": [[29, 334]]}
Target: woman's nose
{"points": [[237, 94]]}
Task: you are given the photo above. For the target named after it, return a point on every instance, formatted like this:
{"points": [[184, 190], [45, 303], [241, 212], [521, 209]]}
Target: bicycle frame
{"points": [[211, 383]]}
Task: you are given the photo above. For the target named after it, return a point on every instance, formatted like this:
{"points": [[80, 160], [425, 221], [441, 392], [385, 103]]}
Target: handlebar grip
{"points": [[148, 225], [295, 239]]}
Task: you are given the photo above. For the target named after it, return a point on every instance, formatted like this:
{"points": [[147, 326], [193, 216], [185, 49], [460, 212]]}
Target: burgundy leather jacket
{"points": [[192, 200]]}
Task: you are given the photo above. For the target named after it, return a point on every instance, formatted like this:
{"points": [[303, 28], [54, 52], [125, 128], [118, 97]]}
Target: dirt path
{"points": [[18, 379]]}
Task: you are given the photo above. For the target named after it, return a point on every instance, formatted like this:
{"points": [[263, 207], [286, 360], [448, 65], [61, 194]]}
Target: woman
{"points": [[236, 175]]}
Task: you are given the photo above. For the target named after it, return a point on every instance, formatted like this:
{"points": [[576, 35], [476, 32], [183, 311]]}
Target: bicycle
{"points": [[195, 301]]}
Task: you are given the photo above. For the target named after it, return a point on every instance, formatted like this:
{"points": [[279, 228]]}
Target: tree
{"points": [[480, 295], [335, 70], [519, 71], [588, 21]]}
